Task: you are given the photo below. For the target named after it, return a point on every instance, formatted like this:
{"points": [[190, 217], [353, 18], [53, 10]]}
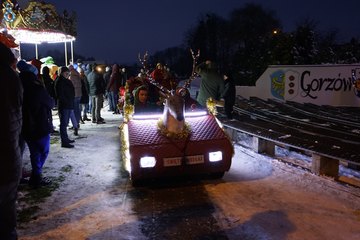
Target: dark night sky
{"points": [[117, 30]]}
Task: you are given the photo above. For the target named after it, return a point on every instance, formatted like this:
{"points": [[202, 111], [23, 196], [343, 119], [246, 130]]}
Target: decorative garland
{"points": [[181, 135], [128, 111], [211, 106]]}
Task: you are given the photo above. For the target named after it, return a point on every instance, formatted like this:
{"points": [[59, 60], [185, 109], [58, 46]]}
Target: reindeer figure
{"points": [[173, 115], [173, 121]]}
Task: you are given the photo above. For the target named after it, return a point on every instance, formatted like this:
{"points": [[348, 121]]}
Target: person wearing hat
{"points": [[37, 121], [11, 100], [65, 94]]}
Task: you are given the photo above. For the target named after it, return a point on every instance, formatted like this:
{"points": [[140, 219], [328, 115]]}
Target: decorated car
{"points": [[179, 141]]}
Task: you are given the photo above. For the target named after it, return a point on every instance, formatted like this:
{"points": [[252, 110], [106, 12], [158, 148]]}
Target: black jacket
{"points": [[96, 84], [11, 99], [84, 90], [37, 119], [49, 85], [229, 93], [65, 93]]}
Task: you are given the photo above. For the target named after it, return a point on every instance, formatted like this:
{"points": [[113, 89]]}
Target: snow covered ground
{"points": [[259, 198], [267, 199]]}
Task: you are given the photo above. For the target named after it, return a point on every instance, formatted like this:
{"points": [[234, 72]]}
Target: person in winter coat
{"points": [[65, 93], [106, 77], [48, 82], [96, 92], [229, 95], [84, 100], [113, 88], [212, 84], [11, 100], [49, 86], [76, 81], [37, 121], [37, 63]]}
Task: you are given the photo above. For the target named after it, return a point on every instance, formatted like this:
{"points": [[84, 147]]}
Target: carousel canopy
{"points": [[38, 23]]}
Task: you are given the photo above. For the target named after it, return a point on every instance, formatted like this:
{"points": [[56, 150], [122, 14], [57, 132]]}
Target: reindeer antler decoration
{"points": [[143, 62], [184, 90], [193, 73]]}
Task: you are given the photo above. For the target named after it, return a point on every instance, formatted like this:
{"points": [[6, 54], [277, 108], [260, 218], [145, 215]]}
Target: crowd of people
{"points": [[32, 95]]}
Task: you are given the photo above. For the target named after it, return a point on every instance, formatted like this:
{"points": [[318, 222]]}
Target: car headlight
{"points": [[215, 156], [147, 162]]}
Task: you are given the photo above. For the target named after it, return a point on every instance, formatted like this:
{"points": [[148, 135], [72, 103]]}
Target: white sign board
{"points": [[317, 84]]}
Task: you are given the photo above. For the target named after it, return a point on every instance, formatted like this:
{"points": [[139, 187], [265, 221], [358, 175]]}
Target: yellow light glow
{"points": [[126, 144], [37, 37]]}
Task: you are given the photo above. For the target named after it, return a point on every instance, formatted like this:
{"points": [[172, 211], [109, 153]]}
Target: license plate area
{"points": [[190, 160]]}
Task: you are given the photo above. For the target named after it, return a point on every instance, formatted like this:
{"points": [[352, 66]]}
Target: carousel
{"points": [[180, 140], [37, 23]]}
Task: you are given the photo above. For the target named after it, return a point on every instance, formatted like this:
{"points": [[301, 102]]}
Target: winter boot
{"points": [[76, 131], [37, 180]]}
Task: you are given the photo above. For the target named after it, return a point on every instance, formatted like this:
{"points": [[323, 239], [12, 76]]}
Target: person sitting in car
{"points": [[141, 101]]}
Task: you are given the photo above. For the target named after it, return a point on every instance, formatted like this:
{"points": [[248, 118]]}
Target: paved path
{"points": [[259, 198]]}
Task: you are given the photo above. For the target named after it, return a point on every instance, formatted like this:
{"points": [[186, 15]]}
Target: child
{"points": [[141, 100]]}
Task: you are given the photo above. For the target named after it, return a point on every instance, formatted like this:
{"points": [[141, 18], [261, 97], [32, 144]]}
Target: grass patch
{"points": [[54, 140], [67, 168], [27, 214], [32, 197]]}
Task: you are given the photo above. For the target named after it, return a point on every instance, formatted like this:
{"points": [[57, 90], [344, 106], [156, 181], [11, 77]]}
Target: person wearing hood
{"points": [[37, 121], [11, 100], [141, 100]]}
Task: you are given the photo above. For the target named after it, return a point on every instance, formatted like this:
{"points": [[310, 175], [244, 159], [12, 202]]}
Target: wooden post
{"points": [[232, 133], [321, 165], [263, 146], [66, 61]]}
